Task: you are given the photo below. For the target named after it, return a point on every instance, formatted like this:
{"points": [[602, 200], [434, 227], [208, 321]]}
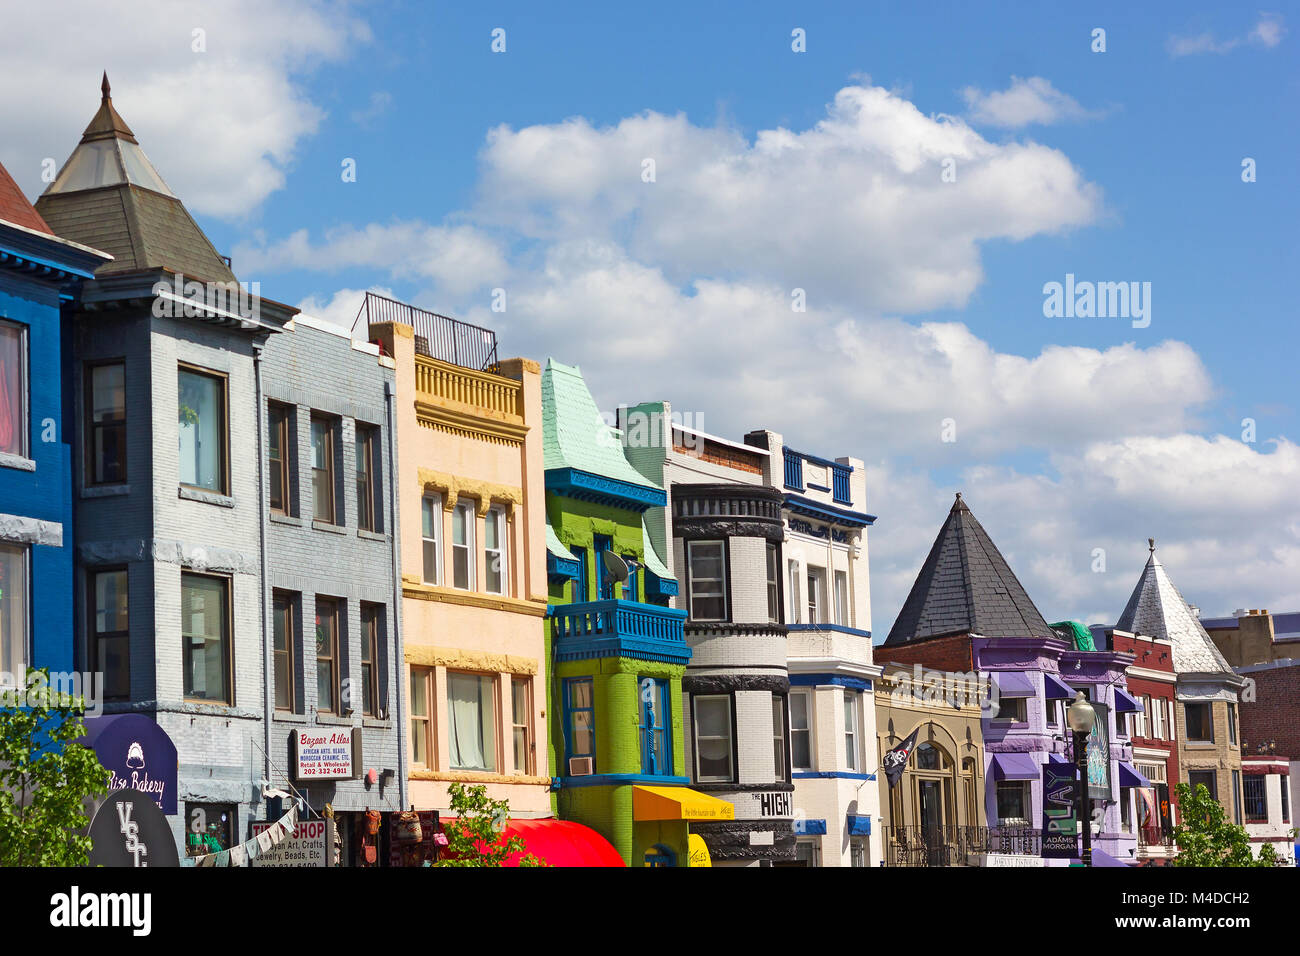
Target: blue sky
{"points": [[1115, 166]]}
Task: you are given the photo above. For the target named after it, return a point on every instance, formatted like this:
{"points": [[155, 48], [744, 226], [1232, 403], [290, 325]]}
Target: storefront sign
{"points": [[304, 847], [1013, 860], [130, 830], [773, 804], [697, 851], [1060, 821], [137, 754], [324, 754]]}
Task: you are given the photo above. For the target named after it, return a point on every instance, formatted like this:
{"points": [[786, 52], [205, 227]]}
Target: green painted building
{"points": [[617, 652]]}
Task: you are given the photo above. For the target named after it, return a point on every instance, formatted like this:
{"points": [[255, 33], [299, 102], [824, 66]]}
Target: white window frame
{"points": [[24, 387], [1157, 719], [773, 557], [20, 646], [858, 851], [816, 594], [852, 734], [780, 717], [806, 695], [695, 579], [1140, 718], [433, 502], [813, 843], [497, 514], [467, 509], [843, 613], [730, 738], [796, 611]]}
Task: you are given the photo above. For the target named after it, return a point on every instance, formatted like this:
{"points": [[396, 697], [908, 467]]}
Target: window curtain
{"points": [[11, 401], [470, 731]]}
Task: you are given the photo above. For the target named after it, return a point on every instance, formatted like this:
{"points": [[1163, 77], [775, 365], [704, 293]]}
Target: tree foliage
{"points": [[45, 777], [474, 838], [1206, 838]]}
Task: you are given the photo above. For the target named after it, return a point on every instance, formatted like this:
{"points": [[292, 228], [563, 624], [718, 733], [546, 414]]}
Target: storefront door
{"points": [[932, 817]]}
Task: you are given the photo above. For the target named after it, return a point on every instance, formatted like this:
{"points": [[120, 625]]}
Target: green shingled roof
{"points": [[573, 433]]}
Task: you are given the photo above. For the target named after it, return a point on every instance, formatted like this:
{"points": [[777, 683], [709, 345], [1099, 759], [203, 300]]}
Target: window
{"points": [[110, 638], [1204, 778], [1013, 801], [322, 468], [801, 734], [713, 738], [1256, 799], [1140, 718], [201, 423], [494, 550], [1013, 709], [1200, 722], [205, 630], [367, 447], [471, 722], [796, 615], [1126, 809], [580, 582], [773, 588], [631, 592], [462, 546], [13, 390], [930, 757], [842, 599], [1171, 724], [521, 719], [1157, 713], [1236, 796], [327, 654], [105, 389], [604, 582], [1232, 724], [816, 595], [580, 718], [211, 827], [851, 746], [277, 455], [372, 629], [707, 580], [857, 851], [1286, 799], [431, 511], [283, 642], [778, 735], [421, 692], [807, 853], [656, 757]]}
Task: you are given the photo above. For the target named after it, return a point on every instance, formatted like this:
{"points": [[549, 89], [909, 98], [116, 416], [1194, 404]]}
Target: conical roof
{"points": [[1157, 609], [966, 586], [109, 196]]}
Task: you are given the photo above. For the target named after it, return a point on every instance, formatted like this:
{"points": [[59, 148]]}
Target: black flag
{"points": [[895, 762]]}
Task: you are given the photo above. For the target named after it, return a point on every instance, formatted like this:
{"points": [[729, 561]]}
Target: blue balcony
{"points": [[616, 628]]}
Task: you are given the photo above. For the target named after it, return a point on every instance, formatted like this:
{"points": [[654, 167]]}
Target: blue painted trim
{"points": [[809, 827], [561, 569], [817, 487], [841, 516], [831, 775], [585, 486], [655, 586], [622, 780], [838, 680], [859, 825], [838, 628], [616, 628]]}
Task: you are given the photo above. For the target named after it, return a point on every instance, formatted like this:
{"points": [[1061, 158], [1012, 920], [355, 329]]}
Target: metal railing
{"points": [[1153, 837], [437, 336], [956, 846]]}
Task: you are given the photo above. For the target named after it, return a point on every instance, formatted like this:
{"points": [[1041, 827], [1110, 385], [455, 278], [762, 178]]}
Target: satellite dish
{"points": [[615, 566]]}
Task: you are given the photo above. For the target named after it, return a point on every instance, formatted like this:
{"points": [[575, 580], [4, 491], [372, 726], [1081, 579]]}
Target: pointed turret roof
{"points": [[109, 196], [966, 586], [1157, 609]]}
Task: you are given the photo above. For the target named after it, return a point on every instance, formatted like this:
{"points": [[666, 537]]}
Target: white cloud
{"points": [[342, 308], [222, 125], [1267, 32], [1024, 102]]}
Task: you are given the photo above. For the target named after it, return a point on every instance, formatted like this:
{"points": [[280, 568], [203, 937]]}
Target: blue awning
{"points": [[1013, 683], [1057, 758], [1016, 767], [1126, 703], [1057, 688], [859, 826], [1128, 777], [810, 827]]}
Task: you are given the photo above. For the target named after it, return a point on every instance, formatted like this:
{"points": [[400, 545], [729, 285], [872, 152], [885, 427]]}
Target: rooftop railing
{"points": [[437, 336]]}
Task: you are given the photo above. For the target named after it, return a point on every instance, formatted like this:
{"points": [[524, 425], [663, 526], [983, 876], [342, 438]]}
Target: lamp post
{"points": [[1081, 718]]}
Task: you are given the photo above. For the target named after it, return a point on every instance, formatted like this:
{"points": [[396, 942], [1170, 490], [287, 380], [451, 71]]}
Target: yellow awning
{"points": [[678, 803]]}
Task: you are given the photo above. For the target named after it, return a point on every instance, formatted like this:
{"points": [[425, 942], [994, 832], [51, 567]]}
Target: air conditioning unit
{"points": [[582, 766]]}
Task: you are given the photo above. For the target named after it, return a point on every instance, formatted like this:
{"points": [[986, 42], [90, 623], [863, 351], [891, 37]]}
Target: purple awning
{"points": [[1016, 767], [1126, 703], [1128, 777], [1013, 683], [1057, 688]]}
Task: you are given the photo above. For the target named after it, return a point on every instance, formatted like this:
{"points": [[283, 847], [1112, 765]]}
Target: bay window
{"points": [[713, 749], [708, 583]]}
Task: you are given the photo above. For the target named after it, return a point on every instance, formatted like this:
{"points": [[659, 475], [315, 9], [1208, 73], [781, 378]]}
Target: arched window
{"points": [[930, 757]]}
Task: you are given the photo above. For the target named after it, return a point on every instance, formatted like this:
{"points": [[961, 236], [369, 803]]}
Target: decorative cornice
{"points": [[469, 425], [457, 658], [478, 776], [452, 487], [533, 607], [814, 509], [588, 486]]}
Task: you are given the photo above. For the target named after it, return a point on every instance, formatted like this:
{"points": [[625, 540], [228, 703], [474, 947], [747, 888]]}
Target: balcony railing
{"points": [[437, 336], [956, 846], [1154, 838], [480, 392], [614, 628]]}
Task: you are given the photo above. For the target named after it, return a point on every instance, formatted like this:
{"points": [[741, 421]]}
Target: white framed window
{"points": [[15, 612], [713, 763], [808, 853], [708, 580], [462, 546], [1140, 718], [431, 533], [13, 390], [842, 599], [773, 585], [471, 721], [1173, 733], [1157, 718], [852, 745], [1013, 801], [778, 735], [857, 851], [796, 614], [494, 551], [816, 595], [801, 729]]}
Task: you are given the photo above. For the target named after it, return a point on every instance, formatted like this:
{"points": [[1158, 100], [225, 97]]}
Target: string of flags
{"points": [[250, 850]]}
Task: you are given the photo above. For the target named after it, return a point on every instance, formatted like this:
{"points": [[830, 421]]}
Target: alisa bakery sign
{"points": [[137, 754]]}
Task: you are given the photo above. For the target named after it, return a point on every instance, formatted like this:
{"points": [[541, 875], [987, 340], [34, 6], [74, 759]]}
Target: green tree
{"points": [[474, 837], [1206, 838], [45, 777]]}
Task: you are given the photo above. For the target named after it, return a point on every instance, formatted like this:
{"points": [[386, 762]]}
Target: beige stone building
{"points": [[472, 559]]}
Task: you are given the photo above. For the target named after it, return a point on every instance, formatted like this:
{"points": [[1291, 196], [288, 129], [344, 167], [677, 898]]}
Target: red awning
{"points": [[563, 843]]}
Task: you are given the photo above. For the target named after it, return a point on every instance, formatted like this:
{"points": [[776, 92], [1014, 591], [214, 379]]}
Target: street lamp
{"points": [[1081, 718]]}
